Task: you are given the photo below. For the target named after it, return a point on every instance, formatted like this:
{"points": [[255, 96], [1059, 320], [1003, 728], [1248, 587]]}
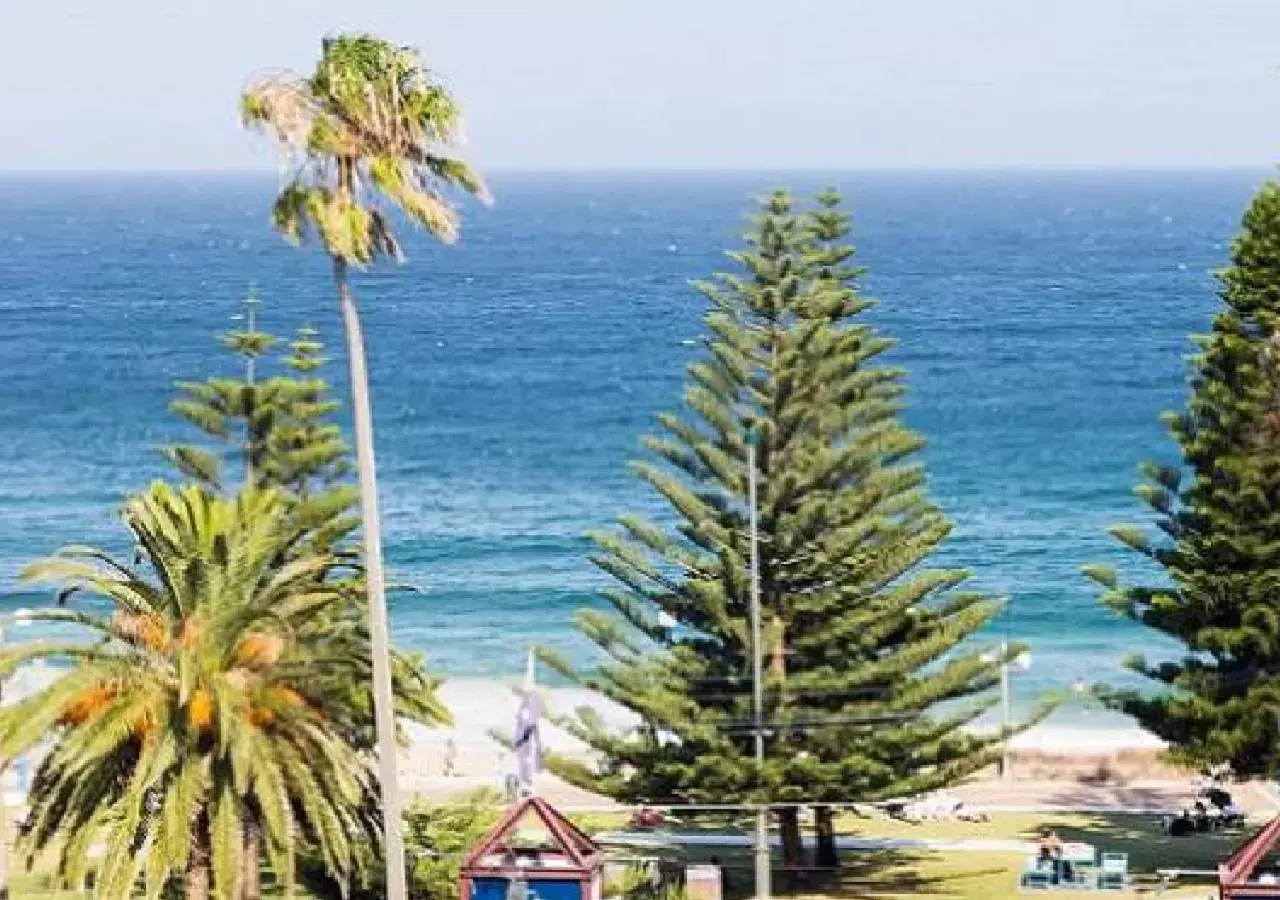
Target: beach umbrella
{"points": [[528, 743]]}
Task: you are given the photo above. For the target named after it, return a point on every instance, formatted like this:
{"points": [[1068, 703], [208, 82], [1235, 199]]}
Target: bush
{"points": [[438, 835], [644, 882]]}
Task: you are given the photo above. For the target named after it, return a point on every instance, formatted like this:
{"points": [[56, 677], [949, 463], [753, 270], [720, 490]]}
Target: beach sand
{"points": [[1066, 765], [1062, 765]]}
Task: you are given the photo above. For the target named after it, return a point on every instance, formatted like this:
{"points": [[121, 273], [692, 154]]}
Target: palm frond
{"points": [[371, 122], [199, 709]]}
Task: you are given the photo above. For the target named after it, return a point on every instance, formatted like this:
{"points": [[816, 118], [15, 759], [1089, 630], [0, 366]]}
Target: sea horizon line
{"points": [[691, 171]]}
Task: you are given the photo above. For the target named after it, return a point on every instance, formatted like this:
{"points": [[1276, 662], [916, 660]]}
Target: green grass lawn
{"points": [[894, 875], [889, 875], [899, 874], [40, 887], [1137, 835], [968, 876]]}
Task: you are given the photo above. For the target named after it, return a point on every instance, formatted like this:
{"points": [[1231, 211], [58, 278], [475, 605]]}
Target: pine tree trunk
{"points": [[793, 859], [383, 703], [825, 855], [198, 876], [251, 878]]}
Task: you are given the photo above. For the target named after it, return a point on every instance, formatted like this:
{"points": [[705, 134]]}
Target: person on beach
{"points": [[450, 757], [1050, 845]]}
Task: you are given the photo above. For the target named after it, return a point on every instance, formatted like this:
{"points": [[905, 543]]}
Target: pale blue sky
{"points": [[644, 84]]}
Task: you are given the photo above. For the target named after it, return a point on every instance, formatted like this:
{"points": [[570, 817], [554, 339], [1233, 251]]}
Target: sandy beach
{"points": [[1053, 765]]}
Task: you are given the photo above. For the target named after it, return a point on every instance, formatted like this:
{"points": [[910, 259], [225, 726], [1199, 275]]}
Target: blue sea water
{"points": [[1044, 320]]}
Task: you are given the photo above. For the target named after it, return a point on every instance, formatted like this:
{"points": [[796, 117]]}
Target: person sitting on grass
{"points": [[1050, 851]]}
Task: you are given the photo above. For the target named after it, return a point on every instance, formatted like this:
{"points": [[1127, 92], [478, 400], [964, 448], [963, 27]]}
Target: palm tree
{"points": [[202, 703], [370, 129]]}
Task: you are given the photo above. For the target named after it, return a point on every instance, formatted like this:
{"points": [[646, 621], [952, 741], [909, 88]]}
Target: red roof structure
{"points": [[1235, 875], [537, 847]]}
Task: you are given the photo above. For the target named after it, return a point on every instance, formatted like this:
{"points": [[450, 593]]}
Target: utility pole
{"points": [[249, 343], [1006, 758], [763, 867], [251, 310], [1021, 663]]}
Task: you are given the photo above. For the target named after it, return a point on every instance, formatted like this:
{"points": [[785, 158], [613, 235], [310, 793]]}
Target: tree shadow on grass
{"points": [[862, 875], [883, 874], [1109, 794], [1141, 838], [1148, 849]]}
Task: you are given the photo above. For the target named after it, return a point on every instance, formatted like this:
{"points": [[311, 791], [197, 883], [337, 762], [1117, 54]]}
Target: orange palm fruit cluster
{"points": [[150, 630], [287, 696], [200, 710], [259, 651], [154, 633], [86, 705]]}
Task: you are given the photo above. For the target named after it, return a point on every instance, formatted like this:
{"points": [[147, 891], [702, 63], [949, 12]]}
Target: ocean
{"points": [[1044, 319]]}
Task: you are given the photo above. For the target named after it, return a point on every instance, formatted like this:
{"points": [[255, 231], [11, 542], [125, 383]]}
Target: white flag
{"points": [[528, 743]]}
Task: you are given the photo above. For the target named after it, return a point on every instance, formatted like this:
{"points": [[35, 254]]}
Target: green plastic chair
{"points": [[1113, 873], [1035, 877]]}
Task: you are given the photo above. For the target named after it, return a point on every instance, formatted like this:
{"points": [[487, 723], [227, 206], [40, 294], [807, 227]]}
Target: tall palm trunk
{"points": [[198, 877], [383, 702], [251, 877]]}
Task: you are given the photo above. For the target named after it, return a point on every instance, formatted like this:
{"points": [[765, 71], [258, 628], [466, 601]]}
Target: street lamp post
{"points": [[1006, 712], [250, 352], [757, 674], [1022, 662]]}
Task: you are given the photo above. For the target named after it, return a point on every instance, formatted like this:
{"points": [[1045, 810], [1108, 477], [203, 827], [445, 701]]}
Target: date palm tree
{"points": [[369, 131], [204, 700]]}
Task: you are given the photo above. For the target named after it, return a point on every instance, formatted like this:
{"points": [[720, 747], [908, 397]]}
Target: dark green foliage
{"points": [[306, 448], [371, 129], [1218, 521], [437, 836], [867, 691], [276, 431]]}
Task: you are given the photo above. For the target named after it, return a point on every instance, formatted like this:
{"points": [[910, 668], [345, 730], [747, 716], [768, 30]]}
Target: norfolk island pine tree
{"points": [[1217, 511], [869, 691]]}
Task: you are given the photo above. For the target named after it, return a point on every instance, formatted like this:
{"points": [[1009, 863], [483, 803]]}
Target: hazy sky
{"points": [[569, 84]]}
